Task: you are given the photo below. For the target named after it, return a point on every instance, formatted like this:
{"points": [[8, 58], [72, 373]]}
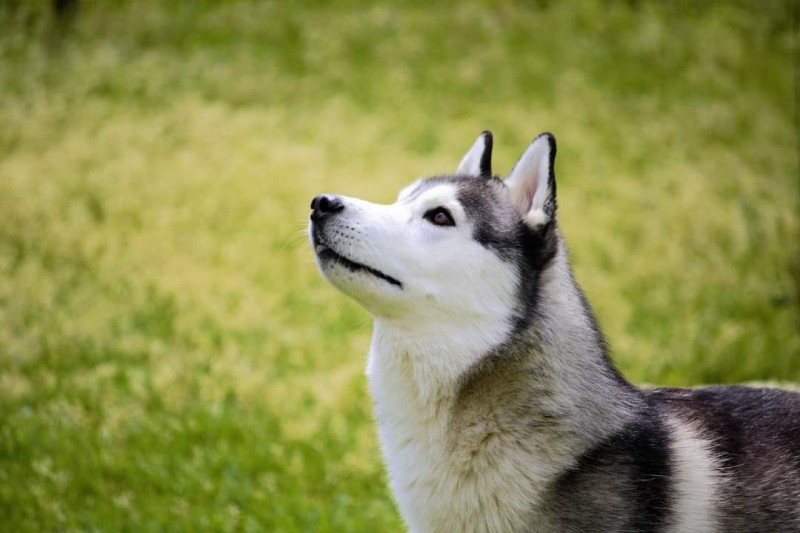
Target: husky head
{"points": [[460, 248]]}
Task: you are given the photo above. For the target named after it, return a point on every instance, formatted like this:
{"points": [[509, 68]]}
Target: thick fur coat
{"points": [[497, 406]]}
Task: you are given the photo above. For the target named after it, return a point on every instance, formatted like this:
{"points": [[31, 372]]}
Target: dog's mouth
{"points": [[326, 253]]}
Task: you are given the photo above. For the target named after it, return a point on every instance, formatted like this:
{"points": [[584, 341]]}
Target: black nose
{"points": [[324, 205]]}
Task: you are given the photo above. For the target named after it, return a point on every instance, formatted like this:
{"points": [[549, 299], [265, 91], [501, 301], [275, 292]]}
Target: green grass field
{"points": [[170, 360]]}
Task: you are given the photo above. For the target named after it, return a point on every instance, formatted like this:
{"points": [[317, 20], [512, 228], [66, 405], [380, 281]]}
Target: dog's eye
{"points": [[439, 216]]}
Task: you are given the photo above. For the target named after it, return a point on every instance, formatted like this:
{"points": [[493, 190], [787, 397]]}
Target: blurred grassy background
{"points": [[169, 357]]}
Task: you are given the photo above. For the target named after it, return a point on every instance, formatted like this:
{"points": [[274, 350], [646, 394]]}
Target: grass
{"points": [[169, 357]]}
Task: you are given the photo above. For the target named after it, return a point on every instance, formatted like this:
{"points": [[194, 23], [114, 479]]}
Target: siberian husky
{"points": [[498, 408]]}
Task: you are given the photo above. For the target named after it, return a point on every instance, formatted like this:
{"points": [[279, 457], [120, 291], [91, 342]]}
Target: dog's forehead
{"points": [[472, 193], [407, 192], [426, 190], [441, 193]]}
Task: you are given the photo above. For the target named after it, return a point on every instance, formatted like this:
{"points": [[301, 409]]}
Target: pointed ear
{"points": [[478, 161], [532, 183]]}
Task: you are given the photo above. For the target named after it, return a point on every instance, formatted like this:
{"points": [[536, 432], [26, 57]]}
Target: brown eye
{"points": [[439, 216]]}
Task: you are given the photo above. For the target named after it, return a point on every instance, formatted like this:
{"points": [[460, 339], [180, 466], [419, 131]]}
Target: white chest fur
{"points": [[446, 479]]}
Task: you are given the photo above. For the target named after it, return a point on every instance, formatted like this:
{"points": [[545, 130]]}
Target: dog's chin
{"points": [[375, 295], [332, 263]]}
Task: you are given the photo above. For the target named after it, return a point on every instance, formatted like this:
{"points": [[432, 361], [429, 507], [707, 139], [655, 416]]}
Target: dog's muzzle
{"points": [[322, 208]]}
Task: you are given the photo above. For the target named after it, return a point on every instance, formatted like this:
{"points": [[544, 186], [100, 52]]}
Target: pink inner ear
{"points": [[524, 184], [526, 178], [529, 192]]}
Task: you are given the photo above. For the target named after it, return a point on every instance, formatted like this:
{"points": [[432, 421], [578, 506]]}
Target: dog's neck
{"points": [[566, 352], [563, 345], [431, 357]]}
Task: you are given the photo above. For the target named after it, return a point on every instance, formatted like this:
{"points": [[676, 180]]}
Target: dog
{"points": [[498, 408]]}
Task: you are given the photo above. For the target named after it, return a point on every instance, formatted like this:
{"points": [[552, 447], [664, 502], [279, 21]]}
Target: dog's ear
{"points": [[532, 182], [478, 161]]}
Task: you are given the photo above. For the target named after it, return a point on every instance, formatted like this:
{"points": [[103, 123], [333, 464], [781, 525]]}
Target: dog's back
{"points": [[712, 459]]}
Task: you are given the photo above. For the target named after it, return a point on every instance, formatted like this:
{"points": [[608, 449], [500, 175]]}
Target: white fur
{"points": [[696, 478], [427, 475]]}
